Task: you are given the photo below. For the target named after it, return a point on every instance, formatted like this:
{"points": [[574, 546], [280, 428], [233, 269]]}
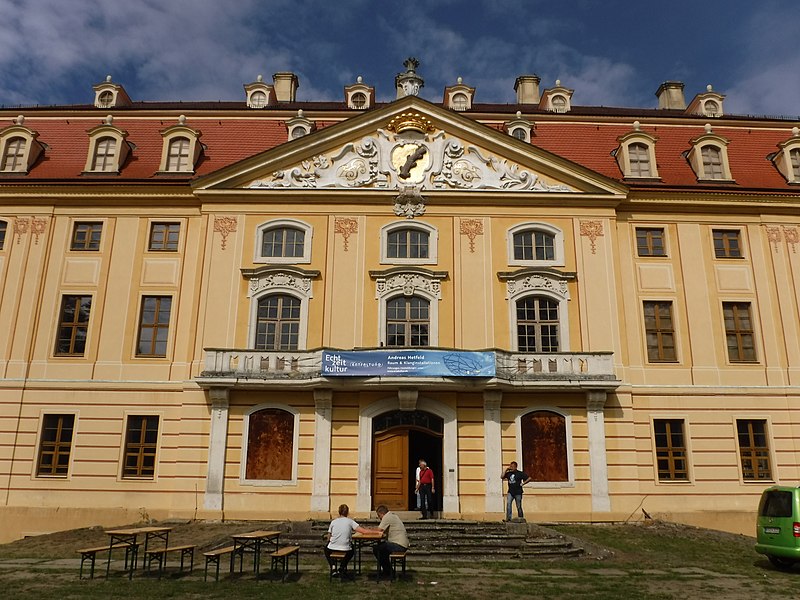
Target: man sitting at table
{"points": [[340, 534], [395, 539]]}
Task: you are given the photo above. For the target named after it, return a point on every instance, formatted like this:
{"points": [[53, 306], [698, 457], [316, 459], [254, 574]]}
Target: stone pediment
{"points": [[424, 161]]}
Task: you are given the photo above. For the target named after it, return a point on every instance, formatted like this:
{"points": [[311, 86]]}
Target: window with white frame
{"points": [[258, 99], [559, 103], [284, 241], [460, 102], [639, 157], [408, 322], [178, 154], [794, 157], [403, 243], [712, 162], [536, 244], [278, 322], [358, 100], [105, 153], [538, 316], [408, 310], [537, 324], [270, 445], [14, 155], [709, 157]]}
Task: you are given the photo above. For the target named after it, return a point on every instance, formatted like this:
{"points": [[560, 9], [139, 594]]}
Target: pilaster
{"points": [[598, 465], [217, 446], [323, 406], [492, 449]]}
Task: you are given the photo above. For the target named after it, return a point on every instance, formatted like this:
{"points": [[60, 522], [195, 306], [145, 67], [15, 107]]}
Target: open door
{"points": [[390, 478]]}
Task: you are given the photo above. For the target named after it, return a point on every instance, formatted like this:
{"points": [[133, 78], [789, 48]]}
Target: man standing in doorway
{"points": [[416, 483], [516, 479], [426, 488]]}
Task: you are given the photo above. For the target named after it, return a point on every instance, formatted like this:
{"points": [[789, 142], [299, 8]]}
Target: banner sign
{"points": [[407, 363]]}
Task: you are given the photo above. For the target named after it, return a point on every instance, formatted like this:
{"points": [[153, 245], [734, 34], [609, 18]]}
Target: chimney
{"points": [[670, 95], [527, 88], [286, 85]]}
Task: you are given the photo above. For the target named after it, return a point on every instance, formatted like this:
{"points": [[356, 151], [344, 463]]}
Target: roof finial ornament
{"points": [[20, 120], [796, 131], [708, 127], [409, 83], [109, 119], [299, 113], [260, 78], [637, 126], [108, 78], [709, 88], [519, 114], [359, 79], [460, 80], [182, 119], [558, 83]]}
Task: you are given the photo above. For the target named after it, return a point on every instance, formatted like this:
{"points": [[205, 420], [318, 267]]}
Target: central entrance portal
{"points": [[400, 439]]}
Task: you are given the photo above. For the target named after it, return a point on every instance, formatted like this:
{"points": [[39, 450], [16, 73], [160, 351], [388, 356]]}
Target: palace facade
{"points": [[265, 308]]}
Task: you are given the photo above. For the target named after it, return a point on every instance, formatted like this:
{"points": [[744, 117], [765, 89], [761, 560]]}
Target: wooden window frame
{"points": [[645, 237], [105, 155], [387, 231], [283, 224], [739, 333], [88, 244], [722, 243], [420, 245], [75, 326], [56, 447], [537, 324], [155, 327], [751, 454], [159, 239], [139, 448], [408, 322], [660, 352], [670, 452], [14, 155], [179, 154], [280, 323], [639, 157]]}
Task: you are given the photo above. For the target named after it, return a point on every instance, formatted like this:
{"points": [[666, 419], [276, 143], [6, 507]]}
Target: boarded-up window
{"points": [[544, 446], [270, 445]]}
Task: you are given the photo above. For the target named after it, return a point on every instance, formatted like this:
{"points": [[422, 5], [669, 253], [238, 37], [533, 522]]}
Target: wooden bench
{"points": [[281, 558], [159, 555], [214, 556], [90, 554], [334, 562], [394, 559]]}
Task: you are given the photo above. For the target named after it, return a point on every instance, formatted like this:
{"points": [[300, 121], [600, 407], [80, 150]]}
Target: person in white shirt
{"points": [[340, 534], [416, 482]]}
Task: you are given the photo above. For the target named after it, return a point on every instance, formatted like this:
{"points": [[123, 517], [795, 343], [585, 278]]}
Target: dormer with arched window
{"points": [[110, 95], [787, 158], [108, 148], [359, 96], [259, 94], [459, 96], [708, 104], [520, 128], [299, 126], [181, 148], [709, 157], [636, 154], [557, 99], [18, 147]]}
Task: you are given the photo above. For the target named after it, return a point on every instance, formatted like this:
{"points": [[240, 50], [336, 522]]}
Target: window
{"points": [[14, 155], [459, 102], [73, 325], [753, 449], [154, 326], [278, 323], [711, 108], [670, 450], [739, 331], [794, 157], [537, 324], [86, 237], [544, 446], [519, 133], [55, 445], [650, 241], [141, 441], [283, 242], [270, 452], [258, 99], [659, 331], [104, 155], [639, 157], [358, 100], [534, 245], [559, 104], [727, 243], [164, 237], [407, 243], [105, 99], [3, 229], [712, 163], [407, 322], [178, 154]]}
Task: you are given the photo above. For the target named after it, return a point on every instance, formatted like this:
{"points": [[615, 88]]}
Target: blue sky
{"points": [[610, 52]]}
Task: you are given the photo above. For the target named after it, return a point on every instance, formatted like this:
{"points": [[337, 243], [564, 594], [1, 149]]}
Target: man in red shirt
{"points": [[426, 488]]}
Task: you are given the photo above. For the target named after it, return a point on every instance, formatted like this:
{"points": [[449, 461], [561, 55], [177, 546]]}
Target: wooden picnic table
{"points": [[252, 542], [364, 539], [129, 537]]}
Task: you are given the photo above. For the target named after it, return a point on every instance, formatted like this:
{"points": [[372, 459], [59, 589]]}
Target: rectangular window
{"points": [[154, 326], [739, 331], [659, 331], [164, 237], [754, 449], [650, 241], [86, 237], [73, 325], [141, 441], [727, 243], [670, 450], [55, 445], [3, 228]]}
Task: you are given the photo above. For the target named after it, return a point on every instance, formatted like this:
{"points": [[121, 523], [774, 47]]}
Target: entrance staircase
{"points": [[451, 540]]}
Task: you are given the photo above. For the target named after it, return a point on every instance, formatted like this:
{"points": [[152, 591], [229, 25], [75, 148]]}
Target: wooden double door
{"points": [[395, 454]]}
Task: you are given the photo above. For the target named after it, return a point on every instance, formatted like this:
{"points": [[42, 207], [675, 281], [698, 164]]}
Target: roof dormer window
{"points": [[787, 159], [707, 104], [259, 94], [110, 95], [299, 126], [709, 157], [359, 95], [636, 155], [520, 128], [14, 154], [105, 99], [559, 103], [18, 147], [178, 154], [459, 96], [459, 102], [358, 100], [712, 162], [181, 148], [107, 148], [557, 99], [105, 155], [258, 99]]}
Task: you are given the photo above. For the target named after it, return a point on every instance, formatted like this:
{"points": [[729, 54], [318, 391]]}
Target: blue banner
{"points": [[407, 363]]}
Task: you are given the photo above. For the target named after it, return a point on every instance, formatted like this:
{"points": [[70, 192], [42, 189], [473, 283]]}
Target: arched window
{"points": [[545, 447], [3, 229], [178, 154], [407, 243], [277, 322], [712, 162], [258, 99], [14, 155], [639, 157], [559, 103], [459, 102], [358, 100], [407, 322], [794, 156], [104, 155], [283, 242], [519, 133], [537, 324], [270, 446], [532, 244], [711, 108]]}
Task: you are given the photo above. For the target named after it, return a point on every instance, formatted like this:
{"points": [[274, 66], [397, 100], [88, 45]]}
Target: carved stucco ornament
{"points": [[409, 283], [280, 280], [537, 282]]}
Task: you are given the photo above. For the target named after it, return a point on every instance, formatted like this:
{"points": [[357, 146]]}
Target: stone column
{"points": [[492, 451], [217, 445], [598, 466], [321, 495]]}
